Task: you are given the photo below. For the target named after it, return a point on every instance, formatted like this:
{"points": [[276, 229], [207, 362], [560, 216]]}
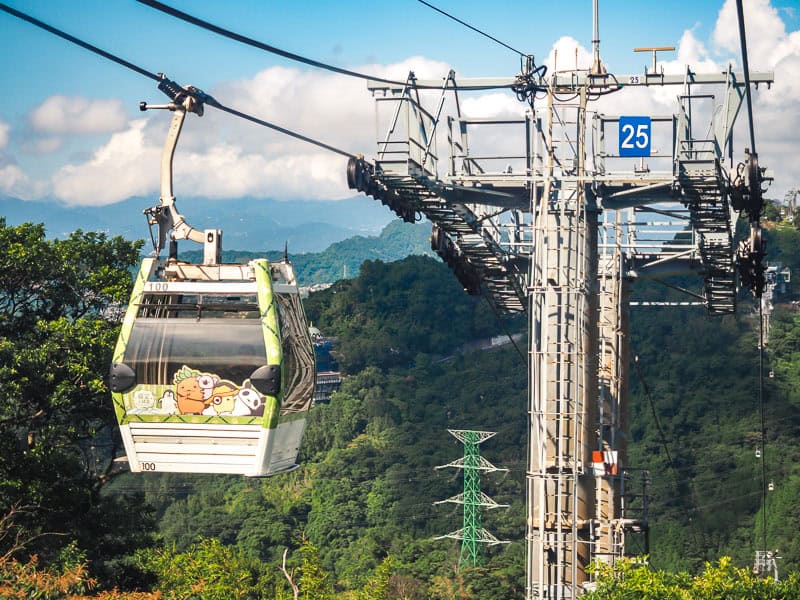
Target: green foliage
{"points": [[718, 581], [55, 412], [208, 570], [314, 582], [379, 585], [703, 386], [343, 259], [357, 517], [390, 313], [783, 245], [67, 578], [64, 578], [772, 212], [75, 277]]}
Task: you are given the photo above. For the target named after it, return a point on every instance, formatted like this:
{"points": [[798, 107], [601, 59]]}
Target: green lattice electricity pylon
{"points": [[472, 534]]}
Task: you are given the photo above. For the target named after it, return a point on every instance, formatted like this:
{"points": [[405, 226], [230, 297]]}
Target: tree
{"points": [[67, 578], [208, 570], [56, 335], [315, 583], [718, 581]]}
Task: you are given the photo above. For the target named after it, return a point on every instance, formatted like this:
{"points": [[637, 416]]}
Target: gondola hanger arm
{"points": [[166, 215]]}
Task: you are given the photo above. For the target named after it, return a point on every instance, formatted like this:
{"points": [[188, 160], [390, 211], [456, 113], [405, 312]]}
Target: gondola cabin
{"points": [[213, 371]]}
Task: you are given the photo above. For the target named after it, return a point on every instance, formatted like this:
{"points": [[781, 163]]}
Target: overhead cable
{"points": [[475, 29], [278, 128], [505, 329], [160, 77], [664, 444], [746, 67], [76, 41], [763, 426], [178, 14]]}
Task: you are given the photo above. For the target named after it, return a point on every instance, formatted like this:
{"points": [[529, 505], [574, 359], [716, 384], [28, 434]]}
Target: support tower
{"points": [[574, 205]]}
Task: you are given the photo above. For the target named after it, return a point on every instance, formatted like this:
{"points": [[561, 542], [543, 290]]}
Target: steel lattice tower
{"points": [[573, 204], [472, 534]]}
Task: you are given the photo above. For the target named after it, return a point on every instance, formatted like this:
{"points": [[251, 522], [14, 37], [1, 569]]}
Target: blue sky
{"points": [[70, 129]]}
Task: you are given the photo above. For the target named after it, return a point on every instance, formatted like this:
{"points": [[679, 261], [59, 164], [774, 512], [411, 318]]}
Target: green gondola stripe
{"points": [[127, 327], [272, 338]]}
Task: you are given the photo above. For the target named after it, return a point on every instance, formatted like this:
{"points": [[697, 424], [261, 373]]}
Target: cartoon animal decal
{"points": [[199, 393], [222, 400], [248, 401], [190, 395], [168, 404], [207, 382]]}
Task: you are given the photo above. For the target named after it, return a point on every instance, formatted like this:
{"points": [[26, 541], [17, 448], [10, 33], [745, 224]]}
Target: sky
{"points": [[71, 131]]}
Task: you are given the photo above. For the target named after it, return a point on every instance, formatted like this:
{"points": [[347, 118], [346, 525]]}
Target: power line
{"points": [[165, 84], [243, 39], [504, 328], [475, 29], [663, 437]]}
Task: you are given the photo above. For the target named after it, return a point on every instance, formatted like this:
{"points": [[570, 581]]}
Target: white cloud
{"points": [[767, 40], [46, 145], [3, 134], [226, 171], [499, 104], [74, 114], [125, 166], [691, 52], [568, 54], [15, 182], [337, 110], [12, 179], [221, 156]]}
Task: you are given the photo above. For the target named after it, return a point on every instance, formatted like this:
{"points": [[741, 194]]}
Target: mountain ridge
{"points": [[248, 224]]}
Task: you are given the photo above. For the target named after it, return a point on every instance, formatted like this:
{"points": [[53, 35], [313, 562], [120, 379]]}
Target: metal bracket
{"points": [[166, 215]]}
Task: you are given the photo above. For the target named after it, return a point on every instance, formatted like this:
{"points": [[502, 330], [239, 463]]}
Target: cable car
{"points": [[213, 371]]}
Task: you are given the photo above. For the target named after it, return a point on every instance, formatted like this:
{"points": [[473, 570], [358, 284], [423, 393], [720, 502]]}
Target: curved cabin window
{"points": [[213, 334]]}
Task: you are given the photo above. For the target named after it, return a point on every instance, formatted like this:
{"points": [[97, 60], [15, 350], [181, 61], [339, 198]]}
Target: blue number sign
{"points": [[634, 136]]}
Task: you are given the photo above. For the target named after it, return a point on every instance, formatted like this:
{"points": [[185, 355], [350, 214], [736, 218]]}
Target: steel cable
{"points": [[159, 77], [475, 29], [178, 14]]}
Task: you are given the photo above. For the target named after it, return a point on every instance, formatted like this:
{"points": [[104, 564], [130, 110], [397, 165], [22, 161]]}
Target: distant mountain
{"points": [[247, 223], [343, 260]]}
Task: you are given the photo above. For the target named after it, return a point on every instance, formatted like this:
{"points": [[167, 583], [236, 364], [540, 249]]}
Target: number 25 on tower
{"points": [[634, 136]]}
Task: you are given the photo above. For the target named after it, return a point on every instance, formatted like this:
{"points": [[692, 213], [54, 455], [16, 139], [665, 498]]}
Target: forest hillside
{"points": [[357, 519]]}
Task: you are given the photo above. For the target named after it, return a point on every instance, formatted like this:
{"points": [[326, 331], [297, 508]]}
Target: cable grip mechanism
{"points": [[165, 216]]}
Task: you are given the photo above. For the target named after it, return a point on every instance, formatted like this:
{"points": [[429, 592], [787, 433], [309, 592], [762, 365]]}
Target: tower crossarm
{"points": [[468, 435], [483, 465], [484, 501], [577, 80], [483, 537], [696, 195]]}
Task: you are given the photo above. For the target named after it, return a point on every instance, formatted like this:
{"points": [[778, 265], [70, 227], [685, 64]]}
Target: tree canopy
{"points": [[356, 521], [57, 301]]}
